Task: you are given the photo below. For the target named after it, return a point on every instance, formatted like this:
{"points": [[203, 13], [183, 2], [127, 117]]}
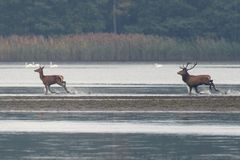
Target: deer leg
{"points": [[212, 84], [49, 88], [196, 89], [63, 84], [46, 89], [190, 90]]}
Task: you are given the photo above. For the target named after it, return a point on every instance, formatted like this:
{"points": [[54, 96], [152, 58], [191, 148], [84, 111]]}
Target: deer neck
{"points": [[185, 77], [41, 75]]}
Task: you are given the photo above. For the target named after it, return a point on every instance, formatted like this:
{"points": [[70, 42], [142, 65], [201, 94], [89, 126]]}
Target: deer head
{"points": [[185, 69], [39, 70]]}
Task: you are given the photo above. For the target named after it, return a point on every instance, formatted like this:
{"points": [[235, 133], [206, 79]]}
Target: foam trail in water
{"points": [[232, 92], [105, 127]]}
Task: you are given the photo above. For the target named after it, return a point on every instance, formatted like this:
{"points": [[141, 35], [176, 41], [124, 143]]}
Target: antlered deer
{"points": [[48, 80], [194, 81]]}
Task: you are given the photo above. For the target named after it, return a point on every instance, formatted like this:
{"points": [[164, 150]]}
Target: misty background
{"points": [[119, 30]]}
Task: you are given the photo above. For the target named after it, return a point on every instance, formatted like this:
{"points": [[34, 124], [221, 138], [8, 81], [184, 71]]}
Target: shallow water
{"points": [[119, 135], [117, 78], [118, 146], [15, 74], [120, 90]]}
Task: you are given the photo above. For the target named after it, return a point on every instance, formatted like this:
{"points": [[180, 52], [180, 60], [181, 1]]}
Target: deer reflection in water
{"points": [[48, 80]]}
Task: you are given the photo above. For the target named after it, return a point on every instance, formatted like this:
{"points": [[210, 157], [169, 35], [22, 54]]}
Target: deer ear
{"points": [[42, 67]]}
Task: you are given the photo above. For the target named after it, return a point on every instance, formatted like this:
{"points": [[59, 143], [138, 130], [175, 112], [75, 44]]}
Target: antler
{"points": [[192, 66], [185, 66], [181, 67]]}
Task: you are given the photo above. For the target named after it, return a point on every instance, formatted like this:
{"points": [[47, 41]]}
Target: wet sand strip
{"points": [[120, 103]]}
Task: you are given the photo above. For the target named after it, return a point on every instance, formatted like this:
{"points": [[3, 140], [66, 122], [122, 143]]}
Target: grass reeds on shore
{"points": [[114, 47]]}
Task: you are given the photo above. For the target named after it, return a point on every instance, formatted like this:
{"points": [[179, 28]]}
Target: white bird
{"points": [[158, 65], [31, 65], [53, 65]]}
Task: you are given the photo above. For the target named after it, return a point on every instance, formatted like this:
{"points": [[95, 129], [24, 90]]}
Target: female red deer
{"points": [[51, 79], [194, 81]]}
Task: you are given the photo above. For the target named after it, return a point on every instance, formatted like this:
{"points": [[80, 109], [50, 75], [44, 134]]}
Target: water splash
{"points": [[232, 92]]}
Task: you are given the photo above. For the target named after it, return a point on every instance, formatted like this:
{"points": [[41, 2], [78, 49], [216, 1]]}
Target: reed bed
{"points": [[115, 47]]}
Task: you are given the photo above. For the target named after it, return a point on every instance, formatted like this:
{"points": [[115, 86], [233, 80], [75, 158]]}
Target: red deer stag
{"points": [[194, 81], [51, 79]]}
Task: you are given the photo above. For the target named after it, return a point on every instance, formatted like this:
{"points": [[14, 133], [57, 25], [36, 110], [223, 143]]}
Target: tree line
{"points": [[119, 30], [183, 19]]}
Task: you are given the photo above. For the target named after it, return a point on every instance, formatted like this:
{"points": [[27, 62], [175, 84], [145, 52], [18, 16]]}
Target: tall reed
{"points": [[113, 47]]}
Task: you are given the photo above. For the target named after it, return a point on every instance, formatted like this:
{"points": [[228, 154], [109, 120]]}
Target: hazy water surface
{"points": [[194, 143], [118, 135], [116, 78], [17, 74]]}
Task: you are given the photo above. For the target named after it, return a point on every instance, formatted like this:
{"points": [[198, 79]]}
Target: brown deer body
{"points": [[194, 81], [48, 80]]}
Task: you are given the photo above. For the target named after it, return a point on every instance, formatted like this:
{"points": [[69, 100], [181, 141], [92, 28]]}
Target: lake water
{"points": [[117, 78], [119, 135]]}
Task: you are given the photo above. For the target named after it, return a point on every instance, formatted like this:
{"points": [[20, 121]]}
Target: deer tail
{"points": [[61, 78]]}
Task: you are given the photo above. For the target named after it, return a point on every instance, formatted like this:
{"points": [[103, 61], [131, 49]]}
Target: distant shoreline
{"points": [[120, 103]]}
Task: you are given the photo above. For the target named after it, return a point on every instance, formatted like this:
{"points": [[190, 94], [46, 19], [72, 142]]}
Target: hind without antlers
{"points": [[48, 80], [193, 81]]}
